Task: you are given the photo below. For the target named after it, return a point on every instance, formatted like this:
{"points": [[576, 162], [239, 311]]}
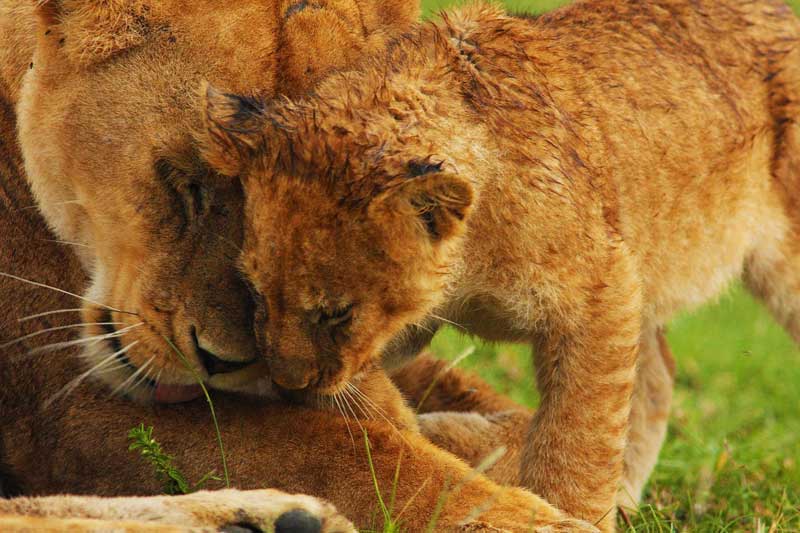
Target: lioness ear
{"points": [[439, 201], [89, 32], [231, 129]]}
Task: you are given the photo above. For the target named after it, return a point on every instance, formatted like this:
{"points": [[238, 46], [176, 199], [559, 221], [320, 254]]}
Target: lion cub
{"points": [[571, 181]]}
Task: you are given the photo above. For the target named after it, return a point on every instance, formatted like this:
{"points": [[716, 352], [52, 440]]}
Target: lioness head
{"points": [[350, 224], [107, 116]]}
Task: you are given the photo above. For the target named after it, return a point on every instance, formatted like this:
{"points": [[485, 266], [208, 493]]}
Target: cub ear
{"points": [[89, 32], [439, 201], [232, 129]]}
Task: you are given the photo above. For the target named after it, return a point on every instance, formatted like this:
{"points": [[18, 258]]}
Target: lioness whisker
{"points": [[36, 206], [48, 313], [110, 369], [122, 386], [232, 244], [73, 384], [62, 291], [142, 379], [68, 243], [88, 341], [58, 328]]}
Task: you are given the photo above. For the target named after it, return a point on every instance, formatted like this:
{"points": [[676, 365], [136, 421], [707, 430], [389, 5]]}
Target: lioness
{"points": [[106, 108], [571, 181]]}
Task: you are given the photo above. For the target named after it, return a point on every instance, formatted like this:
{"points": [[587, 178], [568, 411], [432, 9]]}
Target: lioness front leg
{"points": [[224, 510], [585, 370]]}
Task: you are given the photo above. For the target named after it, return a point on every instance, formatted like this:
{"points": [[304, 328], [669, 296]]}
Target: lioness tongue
{"points": [[177, 393]]}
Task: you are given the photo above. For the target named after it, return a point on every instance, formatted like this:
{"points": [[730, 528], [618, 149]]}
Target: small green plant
{"points": [[390, 525], [149, 448], [210, 403]]}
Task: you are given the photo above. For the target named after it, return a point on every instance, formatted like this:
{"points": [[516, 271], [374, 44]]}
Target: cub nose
{"points": [[293, 373], [213, 363]]}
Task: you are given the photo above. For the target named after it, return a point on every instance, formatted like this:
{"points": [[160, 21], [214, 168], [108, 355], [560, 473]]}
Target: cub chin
{"points": [[542, 180]]}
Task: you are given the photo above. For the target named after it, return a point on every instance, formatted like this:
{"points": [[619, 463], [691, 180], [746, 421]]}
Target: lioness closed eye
{"points": [[570, 181]]}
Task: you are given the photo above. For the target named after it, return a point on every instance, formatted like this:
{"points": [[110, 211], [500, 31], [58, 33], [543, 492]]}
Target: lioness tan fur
{"points": [[571, 181], [107, 111], [258, 510]]}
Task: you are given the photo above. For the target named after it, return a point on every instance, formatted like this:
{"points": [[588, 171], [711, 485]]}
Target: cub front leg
{"points": [[585, 369]]}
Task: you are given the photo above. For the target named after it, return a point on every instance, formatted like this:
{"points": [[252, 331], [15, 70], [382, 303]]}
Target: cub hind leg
{"points": [[652, 397], [772, 274]]}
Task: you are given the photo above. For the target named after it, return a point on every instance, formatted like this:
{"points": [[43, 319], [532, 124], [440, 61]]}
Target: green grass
{"points": [[731, 461]]}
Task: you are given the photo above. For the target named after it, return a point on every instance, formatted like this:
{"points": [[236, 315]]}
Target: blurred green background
{"points": [[731, 458]]}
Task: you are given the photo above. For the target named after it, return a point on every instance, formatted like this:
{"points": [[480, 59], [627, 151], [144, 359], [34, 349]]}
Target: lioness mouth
{"points": [[167, 393]]}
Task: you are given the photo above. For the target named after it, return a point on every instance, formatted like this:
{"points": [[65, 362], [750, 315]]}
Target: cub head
{"points": [[349, 232], [107, 114]]}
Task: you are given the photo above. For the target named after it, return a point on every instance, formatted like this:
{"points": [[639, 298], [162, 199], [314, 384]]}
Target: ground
{"points": [[732, 458]]}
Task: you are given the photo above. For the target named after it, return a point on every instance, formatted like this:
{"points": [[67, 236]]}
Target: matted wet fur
{"points": [[571, 181], [106, 122]]}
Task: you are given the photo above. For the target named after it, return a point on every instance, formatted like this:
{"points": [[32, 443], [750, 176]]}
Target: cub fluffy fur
{"points": [[571, 181], [259, 510], [107, 117]]}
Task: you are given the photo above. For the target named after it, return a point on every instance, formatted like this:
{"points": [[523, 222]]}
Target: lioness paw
{"points": [[231, 511]]}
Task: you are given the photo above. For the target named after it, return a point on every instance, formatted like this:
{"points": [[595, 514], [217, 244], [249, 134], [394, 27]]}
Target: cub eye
{"points": [[333, 318], [194, 198]]}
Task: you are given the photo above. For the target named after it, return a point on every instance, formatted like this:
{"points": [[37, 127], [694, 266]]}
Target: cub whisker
{"points": [[455, 324], [375, 408], [346, 399], [344, 415]]}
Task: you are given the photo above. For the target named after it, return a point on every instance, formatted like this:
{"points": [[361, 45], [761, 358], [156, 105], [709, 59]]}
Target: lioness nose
{"points": [[212, 362], [293, 373]]}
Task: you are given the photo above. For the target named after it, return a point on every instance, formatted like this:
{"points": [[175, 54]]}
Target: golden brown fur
{"points": [[571, 181], [94, 121], [259, 510]]}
